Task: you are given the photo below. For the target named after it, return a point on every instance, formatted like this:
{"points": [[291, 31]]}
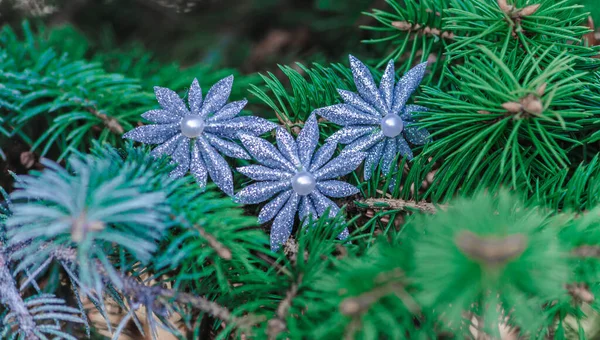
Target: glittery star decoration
{"points": [[300, 178], [195, 137], [377, 120]]}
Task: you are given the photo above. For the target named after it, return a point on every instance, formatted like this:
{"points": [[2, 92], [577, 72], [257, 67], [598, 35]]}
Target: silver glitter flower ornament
{"points": [[195, 137], [299, 179], [377, 120]]}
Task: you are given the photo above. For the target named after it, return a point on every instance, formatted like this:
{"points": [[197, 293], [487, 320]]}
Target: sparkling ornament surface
{"points": [[192, 126], [198, 137], [376, 119], [392, 126], [304, 183], [290, 191]]}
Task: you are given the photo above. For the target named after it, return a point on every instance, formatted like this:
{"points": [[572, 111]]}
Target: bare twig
{"points": [[399, 204], [9, 296]]}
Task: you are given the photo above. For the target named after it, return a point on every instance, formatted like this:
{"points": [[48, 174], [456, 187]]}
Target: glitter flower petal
{"points": [[228, 111], [345, 114], [389, 153], [337, 189], [192, 137], [293, 173], [287, 145], [387, 85], [372, 160], [260, 192], [365, 84], [168, 147], [181, 157], [407, 114], [198, 167], [270, 210], [417, 135], [366, 142], [355, 100], [152, 134], [266, 153], [351, 133], [283, 223], [217, 167], [170, 101], [308, 139], [226, 147], [247, 124], [407, 85], [195, 97], [322, 204], [340, 166], [217, 96], [323, 155], [306, 209], [377, 119], [262, 173], [404, 148], [161, 117]]}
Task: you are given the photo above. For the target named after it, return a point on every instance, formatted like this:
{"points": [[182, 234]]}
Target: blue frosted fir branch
{"points": [[377, 120], [198, 136], [300, 177]]}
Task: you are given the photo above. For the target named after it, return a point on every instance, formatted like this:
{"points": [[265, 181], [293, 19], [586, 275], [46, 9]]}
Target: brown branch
{"points": [[9, 295], [424, 30], [110, 122], [160, 297], [357, 305], [285, 121], [586, 251], [400, 204], [217, 246], [278, 324]]}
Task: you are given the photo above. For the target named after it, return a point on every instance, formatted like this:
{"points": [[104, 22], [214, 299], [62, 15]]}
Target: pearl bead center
{"points": [[192, 126], [392, 125], [304, 183]]}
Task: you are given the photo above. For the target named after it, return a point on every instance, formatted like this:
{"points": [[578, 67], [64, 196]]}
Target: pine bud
{"points": [[402, 25], [505, 7], [81, 226], [491, 250], [529, 10], [512, 107], [542, 89], [532, 104]]}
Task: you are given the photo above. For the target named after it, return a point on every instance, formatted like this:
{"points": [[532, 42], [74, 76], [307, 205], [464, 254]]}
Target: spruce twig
{"points": [[399, 204], [9, 295]]}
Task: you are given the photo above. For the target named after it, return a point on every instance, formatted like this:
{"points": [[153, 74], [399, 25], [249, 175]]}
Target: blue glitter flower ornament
{"points": [[301, 178], [195, 137], [377, 120]]}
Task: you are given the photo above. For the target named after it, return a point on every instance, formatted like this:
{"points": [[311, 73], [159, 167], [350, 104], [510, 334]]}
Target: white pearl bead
{"points": [[392, 125], [192, 126], [304, 183]]}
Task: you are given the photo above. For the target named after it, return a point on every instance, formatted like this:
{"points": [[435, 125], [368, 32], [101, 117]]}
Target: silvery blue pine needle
{"points": [[299, 178], [195, 137], [377, 120]]}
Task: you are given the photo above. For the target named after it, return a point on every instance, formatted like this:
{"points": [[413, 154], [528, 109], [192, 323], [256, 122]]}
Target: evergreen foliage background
{"points": [[491, 232]]}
